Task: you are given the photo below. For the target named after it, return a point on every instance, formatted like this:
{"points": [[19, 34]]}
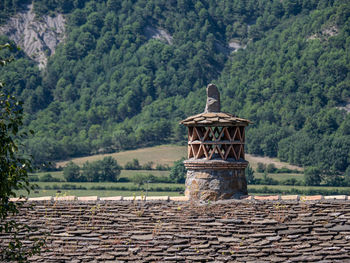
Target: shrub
{"points": [[290, 181], [249, 174], [141, 179], [268, 180], [271, 168], [312, 176], [33, 178], [49, 178], [261, 168], [162, 179], [133, 165], [55, 187], [147, 166], [161, 167], [124, 179]]}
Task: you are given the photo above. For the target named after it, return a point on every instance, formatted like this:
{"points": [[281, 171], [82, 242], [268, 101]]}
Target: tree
{"points": [[139, 179], [109, 169], [71, 172], [105, 170], [312, 176], [347, 176], [249, 174], [133, 165], [261, 168], [178, 172], [91, 171], [14, 167]]}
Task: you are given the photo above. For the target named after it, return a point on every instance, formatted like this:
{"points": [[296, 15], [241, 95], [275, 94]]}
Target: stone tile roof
{"points": [[259, 230], [215, 119]]}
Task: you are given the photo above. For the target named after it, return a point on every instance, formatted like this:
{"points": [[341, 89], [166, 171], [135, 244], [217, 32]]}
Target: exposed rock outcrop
{"points": [[157, 33], [325, 34], [345, 107], [233, 46], [37, 37]]}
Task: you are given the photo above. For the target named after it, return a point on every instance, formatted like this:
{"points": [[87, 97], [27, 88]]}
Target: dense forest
{"points": [[111, 86]]}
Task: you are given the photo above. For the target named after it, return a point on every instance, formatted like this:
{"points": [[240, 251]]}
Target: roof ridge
{"points": [[300, 198]]}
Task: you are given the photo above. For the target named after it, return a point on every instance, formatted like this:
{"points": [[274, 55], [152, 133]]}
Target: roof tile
{"points": [[239, 231]]}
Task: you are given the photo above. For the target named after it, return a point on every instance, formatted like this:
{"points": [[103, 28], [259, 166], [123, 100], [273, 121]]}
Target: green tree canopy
{"points": [[71, 172], [178, 172], [14, 168]]}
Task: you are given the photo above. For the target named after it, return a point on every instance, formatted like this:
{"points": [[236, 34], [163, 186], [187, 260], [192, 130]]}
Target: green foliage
{"points": [[312, 176], [260, 168], [90, 171], [133, 165], [14, 167], [334, 180], [178, 172], [48, 178], [161, 167], [309, 191], [105, 170], [347, 177], [110, 87], [271, 168], [141, 179], [268, 180], [249, 174], [9, 8], [147, 166], [33, 178], [109, 169], [287, 170], [291, 181], [71, 172]]}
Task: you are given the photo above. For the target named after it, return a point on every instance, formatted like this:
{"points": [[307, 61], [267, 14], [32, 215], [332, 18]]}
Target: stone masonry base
{"points": [[215, 184]]}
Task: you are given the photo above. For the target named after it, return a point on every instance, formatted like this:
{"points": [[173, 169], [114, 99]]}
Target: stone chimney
{"points": [[215, 164]]}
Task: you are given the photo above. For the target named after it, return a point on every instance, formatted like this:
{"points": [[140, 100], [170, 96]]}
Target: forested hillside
{"points": [[115, 85]]}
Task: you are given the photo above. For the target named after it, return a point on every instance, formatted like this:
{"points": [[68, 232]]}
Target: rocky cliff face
{"points": [[38, 38]]}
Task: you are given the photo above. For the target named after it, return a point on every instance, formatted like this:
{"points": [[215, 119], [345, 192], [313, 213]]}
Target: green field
{"points": [[123, 173], [288, 187], [282, 176], [103, 184]]}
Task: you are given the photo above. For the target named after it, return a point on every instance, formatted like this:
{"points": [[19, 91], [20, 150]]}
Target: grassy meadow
{"points": [[281, 176], [163, 155]]}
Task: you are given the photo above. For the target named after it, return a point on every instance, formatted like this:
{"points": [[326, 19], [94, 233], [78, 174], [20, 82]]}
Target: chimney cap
{"points": [[212, 116]]}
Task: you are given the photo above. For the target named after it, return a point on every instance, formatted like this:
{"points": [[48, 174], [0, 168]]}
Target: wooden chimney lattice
{"points": [[216, 142]]}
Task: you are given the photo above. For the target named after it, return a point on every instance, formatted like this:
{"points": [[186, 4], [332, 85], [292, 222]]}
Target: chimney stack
{"points": [[215, 164]]}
